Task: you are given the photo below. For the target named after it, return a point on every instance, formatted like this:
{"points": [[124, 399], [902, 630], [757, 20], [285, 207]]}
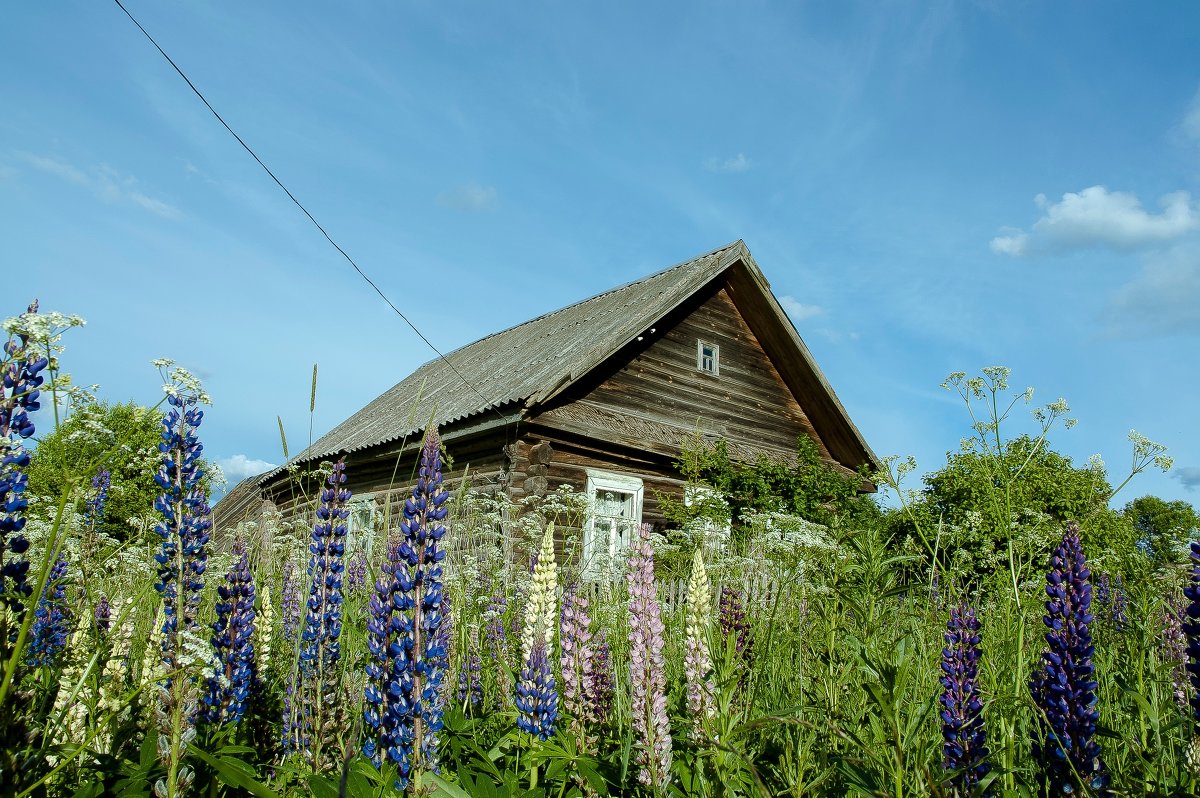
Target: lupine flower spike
{"points": [[731, 615], [697, 663], [51, 618], [577, 662], [1191, 628], [537, 695], [181, 564], [19, 392], [1065, 688], [317, 705], [229, 686], [963, 739], [648, 671], [405, 634]]}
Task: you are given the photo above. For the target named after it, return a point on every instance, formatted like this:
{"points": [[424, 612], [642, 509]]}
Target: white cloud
{"points": [[239, 466], [105, 182], [471, 197], [1099, 217], [738, 163], [1164, 298], [1189, 476], [798, 310]]}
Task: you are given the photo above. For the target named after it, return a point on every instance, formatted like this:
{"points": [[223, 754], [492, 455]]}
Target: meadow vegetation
{"points": [[1002, 629]]}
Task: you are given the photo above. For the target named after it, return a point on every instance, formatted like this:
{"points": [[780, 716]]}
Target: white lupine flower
{"points": [[541, 613]]}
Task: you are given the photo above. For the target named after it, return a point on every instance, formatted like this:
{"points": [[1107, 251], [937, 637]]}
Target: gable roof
{"points": [[533, 362]]}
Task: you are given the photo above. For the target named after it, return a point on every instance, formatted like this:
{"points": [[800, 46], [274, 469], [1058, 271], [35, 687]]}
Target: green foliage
{"points": [[1162, 528], [123, 438], [809, 488]]}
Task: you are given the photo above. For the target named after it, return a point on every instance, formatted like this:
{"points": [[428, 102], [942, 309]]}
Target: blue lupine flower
{"points": [[470, 678], [19, 392], [1065, 688], [407, 633], [963, 747], [229, 689], [537, 694], [95, 506], [184, 530], [316, 707], [48, 635], [1191, 628]]}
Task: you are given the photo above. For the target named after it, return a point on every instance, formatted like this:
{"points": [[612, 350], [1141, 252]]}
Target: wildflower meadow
{"points": [[996, 641]]}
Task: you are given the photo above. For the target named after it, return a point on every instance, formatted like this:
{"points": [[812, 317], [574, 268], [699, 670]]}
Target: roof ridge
{"points": [[576, 304]]}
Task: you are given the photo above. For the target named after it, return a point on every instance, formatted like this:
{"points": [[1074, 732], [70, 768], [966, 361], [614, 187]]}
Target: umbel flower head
{"points": [[1191, 629], [405, 634], [20, 382], [229, 686], [964, 746], [1064, 689], [648, 671]]}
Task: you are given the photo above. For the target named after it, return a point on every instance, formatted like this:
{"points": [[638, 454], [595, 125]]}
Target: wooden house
{"points": [[599, 395]]}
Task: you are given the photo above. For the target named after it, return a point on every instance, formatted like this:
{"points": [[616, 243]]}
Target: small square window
{"points": [[708, 358]]}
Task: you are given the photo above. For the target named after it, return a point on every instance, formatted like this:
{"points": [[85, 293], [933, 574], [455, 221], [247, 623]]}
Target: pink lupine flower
{"points": [[648, 668]]}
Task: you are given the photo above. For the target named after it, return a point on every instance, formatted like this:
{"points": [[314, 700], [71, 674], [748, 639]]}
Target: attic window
{"points": [[708, 358]]}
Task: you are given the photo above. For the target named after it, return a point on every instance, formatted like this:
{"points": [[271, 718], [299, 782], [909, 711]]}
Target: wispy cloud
{"points": [[1097, 217], [239, 466], [471, 197], [798, 310], [106, 183], [1164, 298], [738, 163], [1188, 476]]}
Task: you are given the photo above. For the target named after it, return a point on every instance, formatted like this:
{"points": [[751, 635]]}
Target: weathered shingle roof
{"points": [[525, 364]]}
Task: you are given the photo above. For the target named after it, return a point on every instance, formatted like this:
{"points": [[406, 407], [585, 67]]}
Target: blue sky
{"points": [[929, 187]]}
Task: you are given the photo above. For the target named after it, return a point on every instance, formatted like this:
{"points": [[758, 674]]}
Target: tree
{"points": [[1163, 528], [122, 438]]}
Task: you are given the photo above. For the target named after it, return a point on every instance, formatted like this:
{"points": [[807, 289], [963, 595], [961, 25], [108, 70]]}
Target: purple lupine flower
{"points": [[470, 675], [648, 671], [537, 696], [103, 615], [600, 690], [1120, 605], [356, 571], [1103, 592], [964, 741], [19, 392], [290, 601], [95, 506], [577, 659], [184, 530], [229, 688], [407, 632], [1191, 628], [1174, 648], [733, 621], [320, 641], [48, 635], [1065, 688], [496, 633]]}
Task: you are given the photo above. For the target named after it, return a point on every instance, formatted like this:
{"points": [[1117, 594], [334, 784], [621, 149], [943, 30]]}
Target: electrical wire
{"points": [[487, 402]]}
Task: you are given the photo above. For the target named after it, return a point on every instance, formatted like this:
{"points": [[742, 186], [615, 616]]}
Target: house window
{"points": [[360, 525], [708, 358], [614, 514]]}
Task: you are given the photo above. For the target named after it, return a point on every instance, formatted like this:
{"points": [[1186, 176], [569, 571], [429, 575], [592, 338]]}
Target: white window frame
{"points": [[716, 357], [355, 522], [596, 552]]}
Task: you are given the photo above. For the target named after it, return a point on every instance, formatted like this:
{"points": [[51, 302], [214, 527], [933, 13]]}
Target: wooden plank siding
{"points": [[654, 396]]}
